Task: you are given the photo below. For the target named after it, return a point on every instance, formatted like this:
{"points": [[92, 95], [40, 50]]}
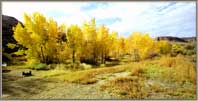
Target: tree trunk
{"points": [[102, 58], [73, 57], [136, 55], [43, 57]]}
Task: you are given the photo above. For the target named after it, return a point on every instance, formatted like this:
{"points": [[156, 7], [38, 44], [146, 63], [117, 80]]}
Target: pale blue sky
{"points": [[157, 18]]}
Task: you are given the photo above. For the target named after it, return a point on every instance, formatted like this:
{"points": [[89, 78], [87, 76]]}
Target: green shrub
{"points": [[189, 50], [177, 49], [39, 66], [190, 46]]}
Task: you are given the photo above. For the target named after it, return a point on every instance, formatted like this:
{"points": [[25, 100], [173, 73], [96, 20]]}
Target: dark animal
{"points": [[27, 74]]}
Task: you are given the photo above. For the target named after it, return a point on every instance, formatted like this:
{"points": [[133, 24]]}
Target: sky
{"points": [[175, 18]]}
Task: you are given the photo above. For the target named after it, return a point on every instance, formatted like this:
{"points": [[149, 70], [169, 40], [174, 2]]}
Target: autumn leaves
{"points": [[47, 42]]}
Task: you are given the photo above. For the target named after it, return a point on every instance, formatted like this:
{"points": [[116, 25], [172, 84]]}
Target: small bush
{"points": [[190, 52], [39, 66], [190, 46], [194, 58], [176, 49]]}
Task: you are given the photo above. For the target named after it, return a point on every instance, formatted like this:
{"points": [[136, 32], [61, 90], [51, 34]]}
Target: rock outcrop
{"points": [[177, 39], [8, 23]]}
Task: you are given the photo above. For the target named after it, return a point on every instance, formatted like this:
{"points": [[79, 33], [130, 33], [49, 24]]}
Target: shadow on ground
{"points": [[17, 87]]}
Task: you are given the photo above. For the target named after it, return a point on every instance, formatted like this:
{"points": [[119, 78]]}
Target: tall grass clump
{"points": [[185, 70], [127, 87], [137, 70], [167, 61], [182, 69]]}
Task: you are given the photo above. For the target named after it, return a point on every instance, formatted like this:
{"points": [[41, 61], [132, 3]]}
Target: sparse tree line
{"points": [[47, 42]]}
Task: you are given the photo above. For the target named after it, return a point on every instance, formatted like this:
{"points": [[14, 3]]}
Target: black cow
{"points": [[27, 74]]}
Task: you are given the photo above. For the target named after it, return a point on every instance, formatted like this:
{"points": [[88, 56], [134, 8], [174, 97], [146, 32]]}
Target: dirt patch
{"points": [[23, 88], [17, 87], [72, 91]]}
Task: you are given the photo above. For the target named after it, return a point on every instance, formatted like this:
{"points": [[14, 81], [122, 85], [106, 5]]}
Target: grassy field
{"points": [[161, 78]]}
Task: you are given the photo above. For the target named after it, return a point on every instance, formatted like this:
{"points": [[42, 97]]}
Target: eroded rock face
{"points": [[8, 23]]}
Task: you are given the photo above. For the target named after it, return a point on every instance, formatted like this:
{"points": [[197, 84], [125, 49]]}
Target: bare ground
{"points": [[17, 87]]}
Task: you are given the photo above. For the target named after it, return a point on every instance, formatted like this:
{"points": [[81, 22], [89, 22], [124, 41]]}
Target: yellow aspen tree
{"points": [[75, 40], [39, 35], [91, 45]]}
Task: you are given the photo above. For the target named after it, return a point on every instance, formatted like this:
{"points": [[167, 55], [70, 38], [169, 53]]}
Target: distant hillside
{"points": [[189, 39], [176, 39]]}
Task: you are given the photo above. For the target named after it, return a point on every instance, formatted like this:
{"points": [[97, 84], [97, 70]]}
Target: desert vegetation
{"points": [[75, 62]]}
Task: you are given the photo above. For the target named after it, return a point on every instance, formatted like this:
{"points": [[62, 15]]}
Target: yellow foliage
{"points": [[11, 45], [32, 61], [20, 52], [164, 47], [40, 36], [143, 43]]}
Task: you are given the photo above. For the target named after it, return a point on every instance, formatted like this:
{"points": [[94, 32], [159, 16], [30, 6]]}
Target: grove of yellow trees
{"points": [[47, 42]]}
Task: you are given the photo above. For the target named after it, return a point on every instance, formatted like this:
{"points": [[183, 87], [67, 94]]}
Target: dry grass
{"points": [[89, 76], [127, 87], [182, 68], [52, 73], [178, 71], [167, 61], [17, 67], [137, 70], [85, 76]]}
